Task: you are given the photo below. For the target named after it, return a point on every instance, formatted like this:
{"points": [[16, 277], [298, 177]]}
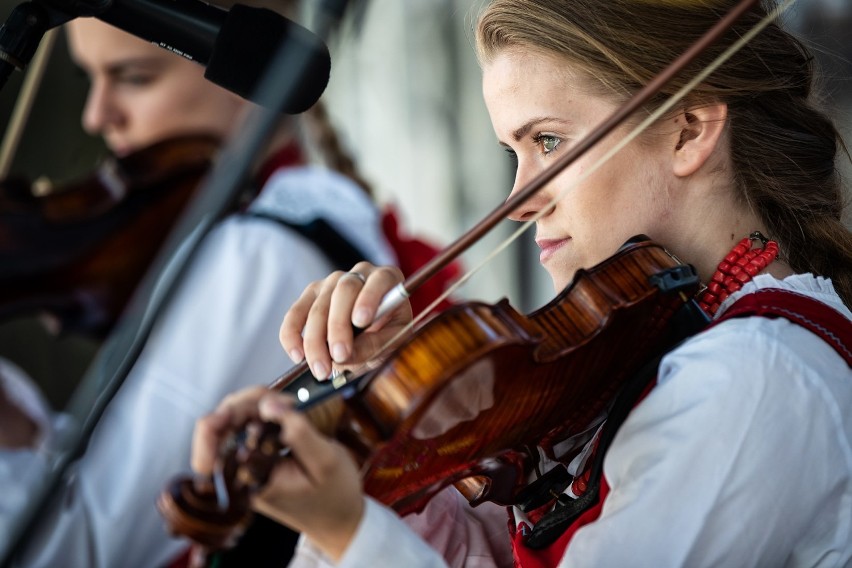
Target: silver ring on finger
{"points": [[357, 275]]}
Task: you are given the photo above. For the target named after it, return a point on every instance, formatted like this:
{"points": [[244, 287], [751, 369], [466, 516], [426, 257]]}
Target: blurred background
{"points": [[405, 96]]}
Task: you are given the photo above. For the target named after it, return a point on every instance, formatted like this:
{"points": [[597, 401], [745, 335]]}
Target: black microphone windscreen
{"points": [[249, 40]]}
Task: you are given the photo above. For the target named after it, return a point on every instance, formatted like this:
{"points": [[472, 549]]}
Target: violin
{"points": [[76, 252], [464, 396]]}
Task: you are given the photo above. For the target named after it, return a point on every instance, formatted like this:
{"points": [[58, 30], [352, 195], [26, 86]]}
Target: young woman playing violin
{"points": [[741, 453]]}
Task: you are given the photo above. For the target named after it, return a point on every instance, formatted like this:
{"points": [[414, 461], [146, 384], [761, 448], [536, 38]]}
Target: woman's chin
{"points": [[559, 282]]}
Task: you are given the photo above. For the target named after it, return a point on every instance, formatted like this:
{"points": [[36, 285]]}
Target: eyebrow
{"points": [[527, 126], [144, 63], [115, 69]]}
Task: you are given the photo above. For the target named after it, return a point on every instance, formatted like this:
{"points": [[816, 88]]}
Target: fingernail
{"points": [[273, 407], [296, 356], [362, 317], [338, 352], [320, 371]]}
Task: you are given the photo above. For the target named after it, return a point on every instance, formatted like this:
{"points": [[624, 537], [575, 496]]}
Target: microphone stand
{"points": [[114, 361], [21, 34], [27, 24]]}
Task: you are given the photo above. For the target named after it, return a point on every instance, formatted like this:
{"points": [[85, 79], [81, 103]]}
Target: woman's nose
{"points": [[101, 110], [534, 204]]}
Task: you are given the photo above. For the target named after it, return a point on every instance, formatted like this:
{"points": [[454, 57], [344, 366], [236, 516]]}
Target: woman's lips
{"points": [[119, 145], [549, 247], [120, 151]]}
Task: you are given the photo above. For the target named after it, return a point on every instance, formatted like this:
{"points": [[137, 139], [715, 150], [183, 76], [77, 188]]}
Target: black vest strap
{"points": [[554, 523], [342, 253]]}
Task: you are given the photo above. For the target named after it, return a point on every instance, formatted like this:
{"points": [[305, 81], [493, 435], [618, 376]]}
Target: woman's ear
{"points": [[699, 134]]}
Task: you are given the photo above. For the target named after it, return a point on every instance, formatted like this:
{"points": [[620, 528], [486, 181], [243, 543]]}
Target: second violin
{"points": [[76, 252]]}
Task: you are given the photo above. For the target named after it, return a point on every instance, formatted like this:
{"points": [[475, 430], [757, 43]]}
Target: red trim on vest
{"points": [[525, 557], [820, 319], [182, 561], [824, 321], [287, 156], [550, 556]]}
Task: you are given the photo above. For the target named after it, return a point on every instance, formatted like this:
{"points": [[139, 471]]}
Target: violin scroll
{"points": [[214, 511]]}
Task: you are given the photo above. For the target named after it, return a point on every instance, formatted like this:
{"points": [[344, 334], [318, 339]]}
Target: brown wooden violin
{"points": [[76, 252], [461, 399]]}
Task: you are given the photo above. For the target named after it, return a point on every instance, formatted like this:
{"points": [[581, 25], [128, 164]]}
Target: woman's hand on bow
{"points": [[319, 325]]}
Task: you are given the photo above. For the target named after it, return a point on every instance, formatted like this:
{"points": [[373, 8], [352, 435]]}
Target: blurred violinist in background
{"points": [[295, 223]]}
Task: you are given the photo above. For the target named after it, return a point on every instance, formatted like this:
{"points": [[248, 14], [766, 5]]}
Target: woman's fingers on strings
{"points": [[206, 437], [232, 414], [317, 456], [317, 489]]}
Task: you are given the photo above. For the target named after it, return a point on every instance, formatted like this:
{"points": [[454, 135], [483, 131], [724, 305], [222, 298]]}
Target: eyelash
{"points": [[135, 79], [539, 138]]}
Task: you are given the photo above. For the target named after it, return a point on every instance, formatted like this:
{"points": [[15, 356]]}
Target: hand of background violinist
{"points": [[318, 326], [315, 490]]}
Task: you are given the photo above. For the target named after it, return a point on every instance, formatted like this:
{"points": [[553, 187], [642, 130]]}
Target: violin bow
{"points": [[402, 291]]}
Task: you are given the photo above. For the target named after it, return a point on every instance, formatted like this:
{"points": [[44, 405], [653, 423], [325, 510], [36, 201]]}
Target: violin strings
{"points": [[633, 134]]}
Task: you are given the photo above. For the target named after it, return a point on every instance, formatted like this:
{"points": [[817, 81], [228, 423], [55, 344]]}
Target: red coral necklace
{"points": [[738, 267]]}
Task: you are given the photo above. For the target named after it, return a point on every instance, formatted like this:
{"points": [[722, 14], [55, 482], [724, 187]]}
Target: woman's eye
{"points": [[547, 143], [136, 79]]}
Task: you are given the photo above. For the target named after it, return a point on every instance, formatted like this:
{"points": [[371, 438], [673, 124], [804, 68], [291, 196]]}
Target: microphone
{"points": [[236, 45]]}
